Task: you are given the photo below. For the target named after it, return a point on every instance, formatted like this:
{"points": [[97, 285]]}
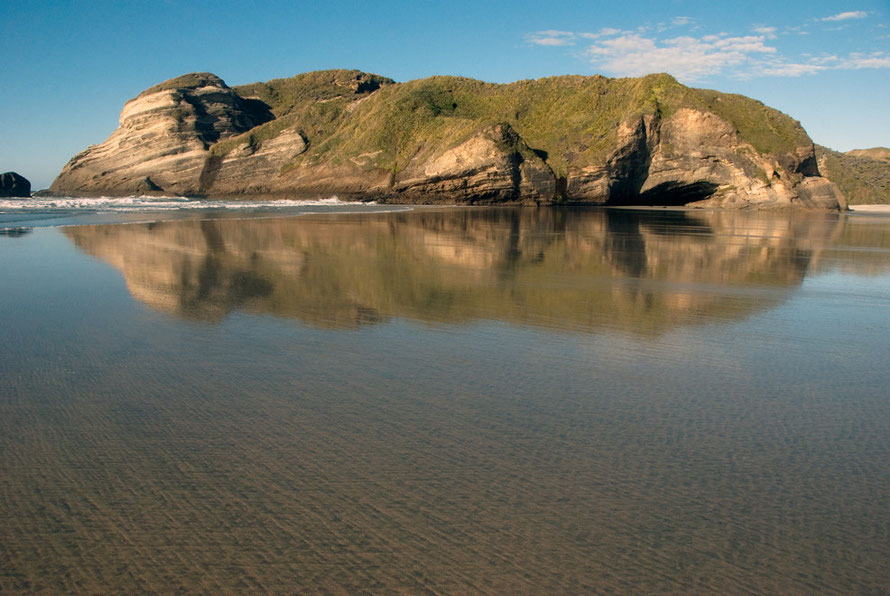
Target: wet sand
{"points": [[489, 402], [870, 208]]}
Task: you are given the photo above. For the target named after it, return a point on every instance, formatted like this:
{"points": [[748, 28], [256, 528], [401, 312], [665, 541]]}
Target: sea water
{"points": [[66, 210]]}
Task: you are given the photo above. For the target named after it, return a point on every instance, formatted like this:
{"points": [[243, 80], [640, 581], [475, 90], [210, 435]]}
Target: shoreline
{"points": [[869, 208], [248, 209]]}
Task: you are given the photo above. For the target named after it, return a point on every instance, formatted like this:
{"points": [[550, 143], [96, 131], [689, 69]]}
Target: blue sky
{"points": [[68, 67]]}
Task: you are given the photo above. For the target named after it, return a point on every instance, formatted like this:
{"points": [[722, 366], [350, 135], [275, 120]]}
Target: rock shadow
{"points": [[668, 194]]}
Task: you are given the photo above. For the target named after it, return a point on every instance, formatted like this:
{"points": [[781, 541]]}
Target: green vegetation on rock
{"points": [[879, 153], [571, 121], [863, 180], [314, 102], [192, 80], [446, 139], [768, 130], [285, 95]]}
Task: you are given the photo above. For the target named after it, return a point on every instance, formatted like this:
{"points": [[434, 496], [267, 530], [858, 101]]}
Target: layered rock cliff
{"points": [[163, 139], [565, 139]]}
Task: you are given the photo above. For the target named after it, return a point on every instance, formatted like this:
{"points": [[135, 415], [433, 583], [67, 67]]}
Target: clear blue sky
{"points": [[68, 67]]}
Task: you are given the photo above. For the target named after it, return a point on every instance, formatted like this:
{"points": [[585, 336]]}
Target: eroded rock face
{"points": [[162, 141], [172, 139], [493, 165], [699, 148], [253, 166], [14, 185], [696, 158]]}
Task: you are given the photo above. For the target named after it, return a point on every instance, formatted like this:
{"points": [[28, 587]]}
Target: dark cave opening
{"points": [[667, 194]]}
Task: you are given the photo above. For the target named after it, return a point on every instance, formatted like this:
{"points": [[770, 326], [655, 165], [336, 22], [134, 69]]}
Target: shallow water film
{"points": [[448, 401]]}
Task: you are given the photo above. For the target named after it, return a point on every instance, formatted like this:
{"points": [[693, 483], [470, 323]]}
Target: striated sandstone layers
{"points": [[162, 141], [568, 139]]}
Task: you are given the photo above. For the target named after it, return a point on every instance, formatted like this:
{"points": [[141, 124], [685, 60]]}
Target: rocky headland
{"points": [[863, 175], [14, 185], [446, 140], [878, 153]]}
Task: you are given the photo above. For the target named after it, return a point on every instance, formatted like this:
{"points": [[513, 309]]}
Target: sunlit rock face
{"points": [[697, 158], [493, 165], [249, 168], [162, 141], [591, 140], [637, 272]]}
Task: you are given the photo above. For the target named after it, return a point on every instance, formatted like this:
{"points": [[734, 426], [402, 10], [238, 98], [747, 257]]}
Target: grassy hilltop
{"points": [[568, 120]]}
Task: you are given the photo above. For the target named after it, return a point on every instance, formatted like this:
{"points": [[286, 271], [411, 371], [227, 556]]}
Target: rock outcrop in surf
{"points": [[13, 184]]}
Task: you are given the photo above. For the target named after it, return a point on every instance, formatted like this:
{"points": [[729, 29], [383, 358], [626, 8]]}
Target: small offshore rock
{"points": [[14, 185]]}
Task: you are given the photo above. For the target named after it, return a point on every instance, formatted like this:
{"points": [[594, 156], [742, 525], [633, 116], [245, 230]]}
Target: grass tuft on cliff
{"points": [[768, 130], [192, 80], [286, 95], [314, 102]]}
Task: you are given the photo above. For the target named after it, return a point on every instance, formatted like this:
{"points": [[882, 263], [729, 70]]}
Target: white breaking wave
{"points": [[127, 204]]}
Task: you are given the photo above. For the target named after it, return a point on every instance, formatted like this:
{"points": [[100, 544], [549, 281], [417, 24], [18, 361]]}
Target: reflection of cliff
{"points": [[586, 269]]}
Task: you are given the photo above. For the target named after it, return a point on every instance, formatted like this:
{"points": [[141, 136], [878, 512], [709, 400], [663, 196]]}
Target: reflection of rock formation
{"points": [[641, 271], [163, 137]]}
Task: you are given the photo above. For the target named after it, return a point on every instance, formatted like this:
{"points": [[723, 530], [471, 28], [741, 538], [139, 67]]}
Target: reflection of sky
{"points": [[867, 287], [833, 333]]}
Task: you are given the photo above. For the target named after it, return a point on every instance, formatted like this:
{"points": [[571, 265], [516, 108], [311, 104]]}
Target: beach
{"points": [[450, 400]]}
